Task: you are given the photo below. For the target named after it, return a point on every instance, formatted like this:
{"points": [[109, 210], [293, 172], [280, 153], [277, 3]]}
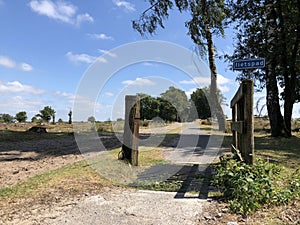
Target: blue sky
{"points": [[48, 45]]}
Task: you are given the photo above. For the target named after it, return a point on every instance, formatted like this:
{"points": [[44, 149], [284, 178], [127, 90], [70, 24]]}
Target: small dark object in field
{"points": [[267, 130], [38, 129], [296, 130]]}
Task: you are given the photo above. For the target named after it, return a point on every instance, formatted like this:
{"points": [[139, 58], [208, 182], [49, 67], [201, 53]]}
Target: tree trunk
{"points": [[273, 106], [289, 80], [216, 108], [290, 90]]}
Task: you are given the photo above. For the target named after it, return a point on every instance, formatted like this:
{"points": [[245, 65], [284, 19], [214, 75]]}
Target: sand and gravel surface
{"points": [[134, 207], [112, 205]]}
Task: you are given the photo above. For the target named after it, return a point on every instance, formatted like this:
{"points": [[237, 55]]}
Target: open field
{"points": [[44, 171]]}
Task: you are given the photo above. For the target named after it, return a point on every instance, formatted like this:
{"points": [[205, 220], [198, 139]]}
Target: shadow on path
{"points": [[197, 179]]}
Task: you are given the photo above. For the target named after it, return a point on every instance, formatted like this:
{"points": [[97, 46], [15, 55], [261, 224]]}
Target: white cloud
{"points": [[26, 67], [197, 80], [7, 62], [100, 36], [15, 104], [84, 18], [60, 10], [10, 63], [83, 58], [16, 96], [221, 80], [17, 87], [189, 92], [138, 82], [129, 7], [224, 88]]}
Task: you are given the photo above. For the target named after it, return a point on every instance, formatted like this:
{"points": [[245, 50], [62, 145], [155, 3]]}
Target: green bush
{"points": [[247, 188]]}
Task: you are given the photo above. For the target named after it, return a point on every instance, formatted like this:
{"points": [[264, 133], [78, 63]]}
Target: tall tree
{"points": [[21, 116], [149, 107], [271, 29], [208, 19], [7, 118], [167, 111], [200, 98], [46, 114], [179, 100], [91, 119], [200, 101]]}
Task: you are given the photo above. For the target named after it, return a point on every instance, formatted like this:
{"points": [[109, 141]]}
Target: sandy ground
{"points": [[20, 160], [110, 205], [118, 206]]}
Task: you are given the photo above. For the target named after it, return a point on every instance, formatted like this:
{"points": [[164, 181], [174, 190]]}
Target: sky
{"points": [[48, 47]]}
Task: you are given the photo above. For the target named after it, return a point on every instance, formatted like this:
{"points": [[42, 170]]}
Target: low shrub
{"points": [[247, 188]]}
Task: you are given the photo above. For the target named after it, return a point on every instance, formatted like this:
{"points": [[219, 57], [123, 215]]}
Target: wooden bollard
{"points": [[131, 129]]}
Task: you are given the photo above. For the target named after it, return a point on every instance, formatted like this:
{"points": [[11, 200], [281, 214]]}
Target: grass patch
{"points": [[148, 156], [284, 151], [17, 136], [77, 177]]}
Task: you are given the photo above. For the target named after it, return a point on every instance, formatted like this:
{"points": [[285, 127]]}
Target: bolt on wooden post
{"points": [[131, 129]]}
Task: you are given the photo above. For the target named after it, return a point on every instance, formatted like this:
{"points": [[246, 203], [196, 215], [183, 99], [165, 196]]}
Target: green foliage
{"points": [[178, 99], [271, 30], [21, 117], [149, 107], [7, 118], [172, 105], [200, 101], [247, 188], [34, 119], [207, 13], [46, 114], [167, 111], [91, 119]]}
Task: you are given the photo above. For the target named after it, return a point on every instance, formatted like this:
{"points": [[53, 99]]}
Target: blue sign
{"points": [[249, 64]]}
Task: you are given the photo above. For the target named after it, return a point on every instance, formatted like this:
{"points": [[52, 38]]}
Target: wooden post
{"points": [[131, 129], [242, 121], [249, 121]]}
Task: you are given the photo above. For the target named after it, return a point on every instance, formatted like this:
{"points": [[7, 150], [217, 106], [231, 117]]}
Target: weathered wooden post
{"points": [[248, 87], [242, 121], [131, 129]]}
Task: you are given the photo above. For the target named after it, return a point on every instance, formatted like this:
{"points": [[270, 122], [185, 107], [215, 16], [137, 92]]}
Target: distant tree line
{"points": [[173, 105], [44, 115]]}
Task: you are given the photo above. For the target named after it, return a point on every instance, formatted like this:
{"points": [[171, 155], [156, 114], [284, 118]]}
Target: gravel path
{"points": [[134, 207]]}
